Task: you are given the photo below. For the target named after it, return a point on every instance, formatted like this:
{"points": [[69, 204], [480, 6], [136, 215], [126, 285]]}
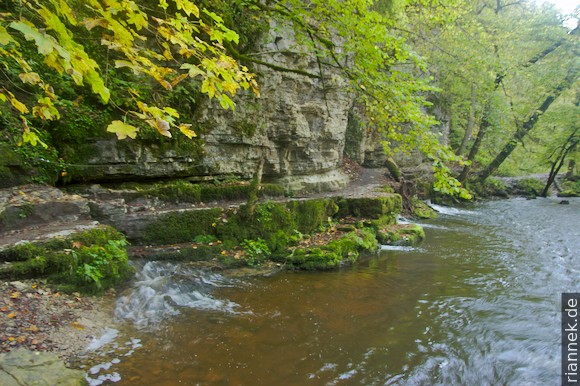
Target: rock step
{"points": [[44, 232], [35, 205]]}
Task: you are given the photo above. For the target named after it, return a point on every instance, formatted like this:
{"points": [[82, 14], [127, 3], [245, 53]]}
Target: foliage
{"points": [[497, 65], [255, 251], [146, 39]]}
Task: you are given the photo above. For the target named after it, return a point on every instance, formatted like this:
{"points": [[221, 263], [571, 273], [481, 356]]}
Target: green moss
{"points": [[336, 253], [422, 210], [179, 227], [270, 221], [188, 253], [89, 261], [571, 188], [490, 187], [311, 214], [410, 234], [371, 208]]}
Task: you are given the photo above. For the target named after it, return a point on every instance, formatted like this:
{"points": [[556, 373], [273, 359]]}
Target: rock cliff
{"points": [[298, 126]]}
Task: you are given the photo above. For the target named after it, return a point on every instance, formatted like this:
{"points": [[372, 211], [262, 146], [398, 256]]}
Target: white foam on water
{"points": [[165, 287], [108, 337], [402, 248], [448, 210]]}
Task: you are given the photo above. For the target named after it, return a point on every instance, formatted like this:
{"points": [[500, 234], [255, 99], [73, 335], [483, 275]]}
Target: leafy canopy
{"points": [[168, 41]]}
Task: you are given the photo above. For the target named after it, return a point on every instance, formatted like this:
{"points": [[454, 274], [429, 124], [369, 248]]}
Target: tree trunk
{"points": [[254, 189], [476, 145], [570, 172], [470, 123], [526, 127], [565, 149]]}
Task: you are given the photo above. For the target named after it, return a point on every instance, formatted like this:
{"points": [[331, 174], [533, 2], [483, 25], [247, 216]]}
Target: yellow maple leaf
{"points": [[122, 130], [185, 130]]}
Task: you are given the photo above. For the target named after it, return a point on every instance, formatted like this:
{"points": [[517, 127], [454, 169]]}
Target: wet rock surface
{"points": [[23, 367]]}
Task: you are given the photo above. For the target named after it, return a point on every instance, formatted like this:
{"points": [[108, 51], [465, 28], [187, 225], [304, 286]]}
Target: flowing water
{"points": [[478, 303]]}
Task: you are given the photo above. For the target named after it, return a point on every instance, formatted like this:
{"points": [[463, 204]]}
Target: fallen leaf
{"points": [[15, 295], [32, 328], [11, 315], [77, 244], [78, 326]]}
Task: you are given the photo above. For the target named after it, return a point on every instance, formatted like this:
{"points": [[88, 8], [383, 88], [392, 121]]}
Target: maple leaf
{"points": [[185, 130], [122, 130]]}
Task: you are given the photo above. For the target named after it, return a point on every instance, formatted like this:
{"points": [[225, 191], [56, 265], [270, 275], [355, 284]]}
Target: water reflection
{"points": [[478, 303]]}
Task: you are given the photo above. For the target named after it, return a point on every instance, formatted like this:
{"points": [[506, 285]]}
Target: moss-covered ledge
{"points": [[319, 233], [89, 261]]}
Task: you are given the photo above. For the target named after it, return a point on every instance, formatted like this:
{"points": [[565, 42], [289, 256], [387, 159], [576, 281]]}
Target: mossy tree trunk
{"points": [[254, 189]]}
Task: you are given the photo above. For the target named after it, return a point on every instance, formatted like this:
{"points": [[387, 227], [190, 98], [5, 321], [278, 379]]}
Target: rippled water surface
{"points": [[476, 304]]}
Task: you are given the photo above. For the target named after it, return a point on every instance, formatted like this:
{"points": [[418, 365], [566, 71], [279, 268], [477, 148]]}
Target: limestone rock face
{"points": [[298, 125], [23, 367]]}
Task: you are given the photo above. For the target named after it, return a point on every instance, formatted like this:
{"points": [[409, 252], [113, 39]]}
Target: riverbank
{"points": [[36, 317]]}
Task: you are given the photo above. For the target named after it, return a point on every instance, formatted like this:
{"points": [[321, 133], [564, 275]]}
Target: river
{"points": [[478, 303]]}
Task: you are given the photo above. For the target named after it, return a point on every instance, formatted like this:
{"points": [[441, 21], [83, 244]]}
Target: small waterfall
{"points": [[448, 210], [162, 288]]}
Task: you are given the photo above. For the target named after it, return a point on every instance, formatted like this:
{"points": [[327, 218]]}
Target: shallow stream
{"points": [[478, 303]]}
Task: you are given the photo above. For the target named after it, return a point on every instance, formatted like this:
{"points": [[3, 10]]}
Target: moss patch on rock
{"points": [[422, 210], [345, 249], [401, 234], [179, 227], [90, 261]]}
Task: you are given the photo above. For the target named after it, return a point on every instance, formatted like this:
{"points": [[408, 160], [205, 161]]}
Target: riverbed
{"points": [[478, 302]]}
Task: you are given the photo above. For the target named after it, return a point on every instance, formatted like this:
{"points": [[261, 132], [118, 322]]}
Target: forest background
{"points": [[504, 72]]}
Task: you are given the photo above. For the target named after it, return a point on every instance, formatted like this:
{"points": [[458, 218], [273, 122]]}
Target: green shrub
{"points": [[256, 251]]}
